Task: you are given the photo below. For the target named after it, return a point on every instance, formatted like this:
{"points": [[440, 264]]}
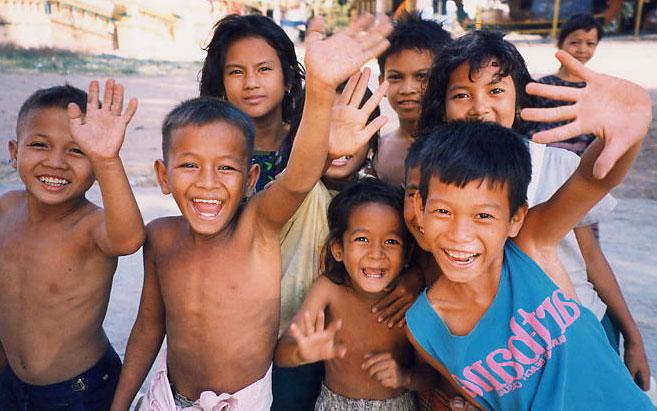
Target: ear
{"points": [[419, 211], [13, 152], [252, 179], [162, 178], [336, 250], [517, 220]]}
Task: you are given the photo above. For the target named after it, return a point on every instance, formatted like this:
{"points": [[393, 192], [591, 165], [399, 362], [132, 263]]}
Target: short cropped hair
{"points": [[460, 152], [584, 22], [365, 191], [412, 32], [53, 97], [205, 110], [232, 28], [477, 49]]}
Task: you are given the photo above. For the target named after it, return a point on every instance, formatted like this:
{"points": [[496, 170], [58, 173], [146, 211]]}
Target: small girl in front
{"points": [[367, 364]]}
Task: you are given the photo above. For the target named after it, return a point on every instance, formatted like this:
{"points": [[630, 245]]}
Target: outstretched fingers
{"points": [[74, 114], [561, 93], [109, 94], [130, 110], [558, 134], [375, 99], [549, 115], [92, 96], [117, 99], [608, 157], [574, 66], [361, 87]]}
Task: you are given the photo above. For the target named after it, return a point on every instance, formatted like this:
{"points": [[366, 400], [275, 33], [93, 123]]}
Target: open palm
{"points": [[100, 132], [316, 343]]}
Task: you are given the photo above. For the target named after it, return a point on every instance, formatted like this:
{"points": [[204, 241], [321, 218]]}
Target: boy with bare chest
{"points": [[58, 251], [212, 276]]}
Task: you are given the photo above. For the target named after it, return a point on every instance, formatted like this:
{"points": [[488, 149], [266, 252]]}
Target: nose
{"points": [[461, 230], [207, 179], [251, 80], [376, 251], [478, 107], [55, 159], [409, 86]]}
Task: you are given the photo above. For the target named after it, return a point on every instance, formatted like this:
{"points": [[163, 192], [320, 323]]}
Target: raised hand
{"points": [[331, 61], [392, 307], [384, 368], [100, 132], [615, 110], [316, 343], [349, 129]]}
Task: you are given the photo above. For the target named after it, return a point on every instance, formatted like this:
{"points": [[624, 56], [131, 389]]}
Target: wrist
{"points": [[319, 89]]}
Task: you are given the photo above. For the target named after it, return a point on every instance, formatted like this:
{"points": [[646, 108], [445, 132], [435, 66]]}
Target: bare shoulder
{"points": [[11, 199], [161, 232]]}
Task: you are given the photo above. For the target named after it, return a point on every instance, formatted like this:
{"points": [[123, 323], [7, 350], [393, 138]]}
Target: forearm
{"points": [[309, 152], [143, 345], [603, 279], [124, 226]]}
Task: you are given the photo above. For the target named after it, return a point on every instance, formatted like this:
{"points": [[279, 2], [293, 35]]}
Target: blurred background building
{"points": [[178, 29]]}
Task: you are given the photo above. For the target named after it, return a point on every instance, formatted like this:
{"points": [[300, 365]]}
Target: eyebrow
{"points": [[241, 65]]}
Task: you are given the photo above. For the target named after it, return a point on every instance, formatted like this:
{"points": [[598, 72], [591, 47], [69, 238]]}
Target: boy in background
{"points": [[414, 44]]}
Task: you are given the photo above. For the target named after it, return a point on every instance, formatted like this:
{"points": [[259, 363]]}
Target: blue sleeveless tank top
{"points": [[534, 348]]}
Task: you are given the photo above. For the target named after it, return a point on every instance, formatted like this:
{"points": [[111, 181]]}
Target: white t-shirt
{"points": [[551, 167]]}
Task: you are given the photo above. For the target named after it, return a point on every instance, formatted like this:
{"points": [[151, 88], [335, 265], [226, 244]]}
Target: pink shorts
{"points": [[159, 397]]}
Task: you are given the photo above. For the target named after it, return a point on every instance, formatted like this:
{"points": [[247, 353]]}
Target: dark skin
{"points": [[54, 293], [212, 277]]}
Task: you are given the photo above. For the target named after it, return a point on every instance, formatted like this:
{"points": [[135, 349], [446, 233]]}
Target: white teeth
{"points": [[53, 181], [372, 274], [459, 254], [202, 200]]}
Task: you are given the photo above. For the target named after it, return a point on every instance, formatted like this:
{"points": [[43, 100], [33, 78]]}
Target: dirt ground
{"points": [[628, 238]]}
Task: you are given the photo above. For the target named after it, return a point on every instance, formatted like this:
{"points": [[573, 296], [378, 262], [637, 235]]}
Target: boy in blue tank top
{"points": [[503, 323]]}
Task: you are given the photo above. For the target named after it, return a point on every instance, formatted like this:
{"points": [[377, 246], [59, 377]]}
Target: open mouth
{"points": [[373, 273], [54, 183], [340, 162], [460, 258], [207, 208]]}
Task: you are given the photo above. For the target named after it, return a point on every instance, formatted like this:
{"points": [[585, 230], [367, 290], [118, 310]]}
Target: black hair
{"points": [[53, 97], [476, 49], [365, 191], [576, 22], [415, 154], [412, 32], [464, 151], [205, 110], [234, 27]]}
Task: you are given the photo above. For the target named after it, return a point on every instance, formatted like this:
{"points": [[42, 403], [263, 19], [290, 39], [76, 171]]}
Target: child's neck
{"points": [[566, 75], [407, 129], [39, 211], [270, 131]]}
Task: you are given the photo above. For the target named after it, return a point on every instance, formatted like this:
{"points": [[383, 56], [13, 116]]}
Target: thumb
{"points": [[607, 158], [315, 30], [74, 113]]}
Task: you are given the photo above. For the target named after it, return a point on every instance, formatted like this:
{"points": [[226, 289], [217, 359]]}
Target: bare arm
{"points": [[100, 134], [307, 340], [618, 113], [328, 63], [145, 338], [602, 277]]}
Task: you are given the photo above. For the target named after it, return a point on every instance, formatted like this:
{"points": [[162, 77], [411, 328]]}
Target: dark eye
{"points": [[226, 168], [441, 211], [38, 144], [235, 72], [360, 239], [484, 216], [77, 151], [187, 165], [459, 96], [497, 90], [265, 68], [421, 76], [392, 241], [393, 77]]}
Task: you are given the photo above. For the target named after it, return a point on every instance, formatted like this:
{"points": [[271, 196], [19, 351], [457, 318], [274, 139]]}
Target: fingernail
{"points": [[373, 309], [379, 319]]}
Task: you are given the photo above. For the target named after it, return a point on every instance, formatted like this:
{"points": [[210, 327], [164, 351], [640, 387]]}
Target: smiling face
{"points": [[581, 44], [50, 164], [466, 228], [487, 97], [407, 73], [372, 247], [253, 77], [345, 168], [411, 190], [207, 172]]}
